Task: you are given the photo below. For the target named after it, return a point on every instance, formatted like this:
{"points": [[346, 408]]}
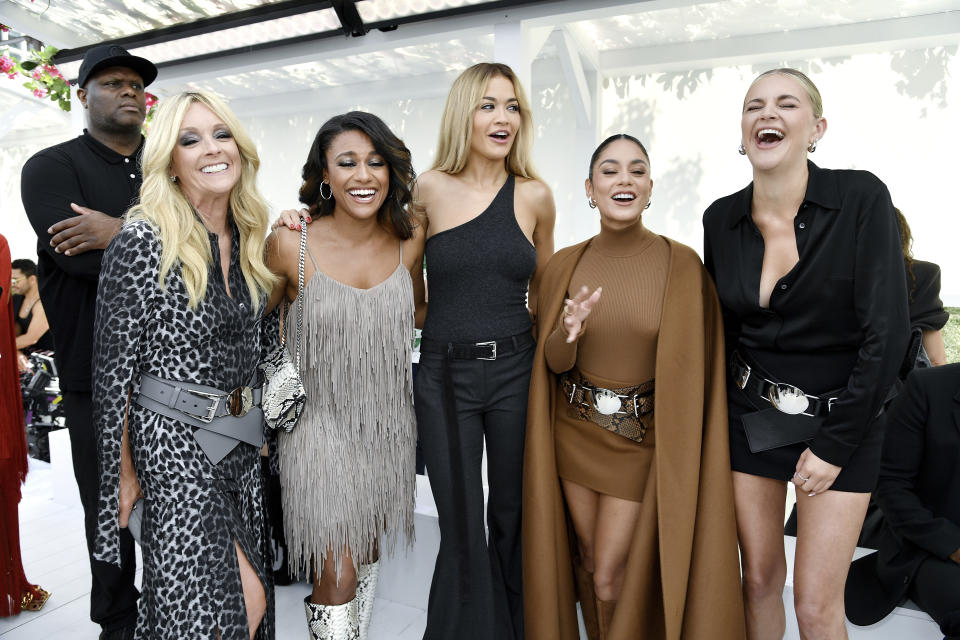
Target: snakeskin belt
{"points": [[626, 411]]}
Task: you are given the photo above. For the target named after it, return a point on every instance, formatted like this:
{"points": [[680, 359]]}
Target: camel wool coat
{"points": [[690, 491]]}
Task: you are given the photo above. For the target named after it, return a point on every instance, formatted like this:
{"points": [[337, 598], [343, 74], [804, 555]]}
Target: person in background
{"points": [[627, 432], [16, 593], [809, 272], [919, 552], [489, 235], [926, 309], [74, 194], [30, 318]]}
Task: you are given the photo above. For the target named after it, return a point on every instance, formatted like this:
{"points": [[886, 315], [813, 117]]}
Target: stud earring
{"points": [[741, 150], [592, 203], [173, 179], [329, 190], [647, 206], [812, 146]]}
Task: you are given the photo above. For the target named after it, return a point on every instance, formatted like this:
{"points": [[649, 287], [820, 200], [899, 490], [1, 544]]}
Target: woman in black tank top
{"points": [[489, 233]]}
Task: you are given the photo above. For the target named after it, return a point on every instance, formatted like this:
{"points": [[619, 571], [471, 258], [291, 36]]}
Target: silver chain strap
{"points": [[303, 251]]}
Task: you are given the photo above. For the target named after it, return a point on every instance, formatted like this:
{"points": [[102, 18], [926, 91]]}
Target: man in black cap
{"points": [[74, 194], [919, 492]]}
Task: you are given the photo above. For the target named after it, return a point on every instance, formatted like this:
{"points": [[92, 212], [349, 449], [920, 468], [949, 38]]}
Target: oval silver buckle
{"points": [[606, 401], [788, 399], [240, 401]]}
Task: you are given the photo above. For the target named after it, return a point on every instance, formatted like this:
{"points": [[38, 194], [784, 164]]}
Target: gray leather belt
{"points": [[223, 419]]}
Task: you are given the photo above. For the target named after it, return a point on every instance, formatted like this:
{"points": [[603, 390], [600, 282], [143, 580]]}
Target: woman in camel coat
{"points": [[678, 575]]}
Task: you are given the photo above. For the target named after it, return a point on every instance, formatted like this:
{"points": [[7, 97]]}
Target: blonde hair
{"points": [[811, 89], [456, 125], [183, 237]]}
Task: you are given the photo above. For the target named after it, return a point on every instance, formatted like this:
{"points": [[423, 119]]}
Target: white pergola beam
{"points": [[576, 79], [340, 97], [848, 39], [29, 23], [548, 14]]}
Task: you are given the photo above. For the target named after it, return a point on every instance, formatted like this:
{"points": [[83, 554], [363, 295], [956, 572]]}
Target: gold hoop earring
{"points": [[812, 146]]}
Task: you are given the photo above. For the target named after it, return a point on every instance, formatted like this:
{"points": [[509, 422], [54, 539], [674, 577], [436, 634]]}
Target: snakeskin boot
{"points": [[367, 576], [332, 622]]}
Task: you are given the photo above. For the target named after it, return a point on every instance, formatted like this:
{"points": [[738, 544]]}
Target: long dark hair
{"points": [[606, 143], [394, 211]]}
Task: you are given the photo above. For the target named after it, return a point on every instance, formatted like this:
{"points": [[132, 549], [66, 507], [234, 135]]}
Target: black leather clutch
{"points": [[771, 428]]}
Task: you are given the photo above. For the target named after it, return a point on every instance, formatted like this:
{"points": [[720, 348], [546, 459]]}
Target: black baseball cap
{"points": [[112, 55]]}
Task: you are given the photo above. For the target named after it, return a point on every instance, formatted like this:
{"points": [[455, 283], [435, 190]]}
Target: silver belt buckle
{"points": [[239, 401], [490, 343], [211, 411], [606, 401], [788, 398], [744, 376]]}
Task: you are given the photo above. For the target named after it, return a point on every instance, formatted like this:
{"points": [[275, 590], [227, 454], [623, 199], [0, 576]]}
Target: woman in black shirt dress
{"points": [[809, 273]]}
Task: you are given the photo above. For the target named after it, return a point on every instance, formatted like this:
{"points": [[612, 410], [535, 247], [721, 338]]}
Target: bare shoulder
{"points": [[413, 248], [536, 195], [430, 183]]}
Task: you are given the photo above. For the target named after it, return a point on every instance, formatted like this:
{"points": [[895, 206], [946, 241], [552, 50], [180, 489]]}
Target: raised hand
{"points": [[575, 311]]}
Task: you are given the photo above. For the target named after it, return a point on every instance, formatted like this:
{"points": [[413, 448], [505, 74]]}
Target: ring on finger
{"points": [[801, 477]]}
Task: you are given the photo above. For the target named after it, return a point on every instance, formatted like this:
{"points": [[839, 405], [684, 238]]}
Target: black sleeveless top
{"points": [[478, 273], [45, 342]]}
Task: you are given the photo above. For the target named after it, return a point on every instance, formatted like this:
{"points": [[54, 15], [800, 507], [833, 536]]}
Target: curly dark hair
{"points": [[25, 266], [606, 143], [395, 211]]}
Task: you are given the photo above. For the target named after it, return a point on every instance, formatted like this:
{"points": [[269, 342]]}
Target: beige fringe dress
{"points": [[348, 468]]}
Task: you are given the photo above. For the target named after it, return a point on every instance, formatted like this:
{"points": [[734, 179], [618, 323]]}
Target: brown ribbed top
{"points": [[619, 340]]}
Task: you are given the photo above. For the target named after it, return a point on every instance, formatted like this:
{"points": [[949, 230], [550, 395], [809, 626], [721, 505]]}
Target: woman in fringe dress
{"points": [[347, 469]]}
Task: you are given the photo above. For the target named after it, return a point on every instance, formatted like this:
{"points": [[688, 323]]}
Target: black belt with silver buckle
{"points": [[488, 350], [784, 397]]}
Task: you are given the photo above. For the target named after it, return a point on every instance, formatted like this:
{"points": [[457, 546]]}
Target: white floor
{"points": [[54, 556]]}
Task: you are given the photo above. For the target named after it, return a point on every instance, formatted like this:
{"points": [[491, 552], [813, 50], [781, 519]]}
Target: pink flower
{"points": [[40, 93], [6, 64], [37, 74], [151, 100], [52, 70], [12, 76]]}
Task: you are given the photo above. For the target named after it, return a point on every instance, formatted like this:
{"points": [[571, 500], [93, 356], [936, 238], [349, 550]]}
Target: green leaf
{"points": [[64, 104], [28, 65]]}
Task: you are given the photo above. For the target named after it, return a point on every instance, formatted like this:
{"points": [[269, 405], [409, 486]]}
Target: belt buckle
{"points": [[788, 398], [493, 346], [606, 401], [239, 401], [744, 376], [211, 411]]}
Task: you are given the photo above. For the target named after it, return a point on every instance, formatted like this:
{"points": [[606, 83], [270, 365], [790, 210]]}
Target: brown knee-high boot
{"points": [[605, 609], [588, 601]]}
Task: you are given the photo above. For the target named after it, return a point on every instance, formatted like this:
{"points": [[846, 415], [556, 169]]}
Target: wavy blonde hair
{"points": [[183, 237], [456, 125]]}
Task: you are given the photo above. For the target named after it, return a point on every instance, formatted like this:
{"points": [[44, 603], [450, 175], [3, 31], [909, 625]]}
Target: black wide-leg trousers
{"points": [[113, 596], [477, 586]]}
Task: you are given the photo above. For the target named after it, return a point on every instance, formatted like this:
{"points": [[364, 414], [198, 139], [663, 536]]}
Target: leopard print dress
{"points": [[194, 510]]}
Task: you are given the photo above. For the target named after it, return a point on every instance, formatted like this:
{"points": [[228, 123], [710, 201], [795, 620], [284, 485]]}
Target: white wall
{"points": [[894, 114]]}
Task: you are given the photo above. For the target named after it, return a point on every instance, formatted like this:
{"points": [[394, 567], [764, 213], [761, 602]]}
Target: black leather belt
{"points": [[489, 350], [784, 397]]}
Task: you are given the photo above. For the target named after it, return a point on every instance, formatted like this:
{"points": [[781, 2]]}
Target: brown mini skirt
{"points": [[591, 456]]}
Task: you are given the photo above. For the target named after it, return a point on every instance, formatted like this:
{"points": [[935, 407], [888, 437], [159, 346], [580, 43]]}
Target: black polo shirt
{"points": [[90, 174], [838, 319]]}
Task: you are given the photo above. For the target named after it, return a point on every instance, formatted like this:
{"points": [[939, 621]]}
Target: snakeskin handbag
{"points": [[283, 394]]}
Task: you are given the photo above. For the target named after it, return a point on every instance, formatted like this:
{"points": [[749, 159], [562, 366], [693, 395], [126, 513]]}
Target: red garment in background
{"points": [[13, 451]]}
